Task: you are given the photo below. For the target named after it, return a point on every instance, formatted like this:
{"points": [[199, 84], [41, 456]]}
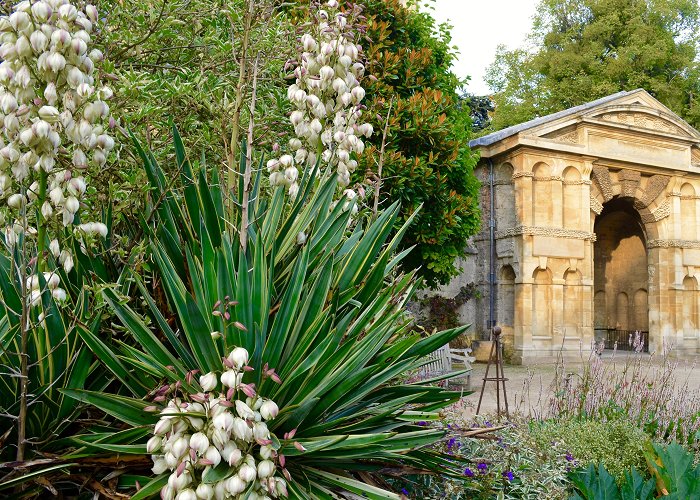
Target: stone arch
{"points": [[542, 206], [504, 196], [541, 303], [689, 307], [571, 198], [689, 211], [573, 303], [506, 296], [620, 263], [642, 200]]}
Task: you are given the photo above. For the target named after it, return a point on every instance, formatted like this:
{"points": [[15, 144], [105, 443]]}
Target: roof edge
{"points": [[494, 137]]}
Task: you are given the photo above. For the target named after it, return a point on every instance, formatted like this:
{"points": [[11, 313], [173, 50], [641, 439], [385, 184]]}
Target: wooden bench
{"points": [[445, 361]]}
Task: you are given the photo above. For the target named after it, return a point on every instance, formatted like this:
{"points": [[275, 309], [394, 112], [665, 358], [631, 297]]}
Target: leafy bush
{"points": [[514, 466], [617, 444]]}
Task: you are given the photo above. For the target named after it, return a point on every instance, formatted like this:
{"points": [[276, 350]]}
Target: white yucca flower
{"points": [[54, 118], [327, 99], [200, 431]]}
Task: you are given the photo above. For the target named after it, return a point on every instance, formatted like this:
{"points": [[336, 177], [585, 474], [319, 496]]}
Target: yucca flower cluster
{"points": [[327, 98], [54, 120], [225, 424]]}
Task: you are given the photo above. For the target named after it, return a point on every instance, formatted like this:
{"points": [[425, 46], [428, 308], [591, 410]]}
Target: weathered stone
{"points": [[596, 215]]}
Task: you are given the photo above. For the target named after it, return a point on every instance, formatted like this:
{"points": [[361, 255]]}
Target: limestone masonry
{"points": [[596, 230]]}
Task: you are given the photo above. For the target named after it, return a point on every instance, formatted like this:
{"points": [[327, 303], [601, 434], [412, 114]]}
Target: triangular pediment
{"points": [[635, 110], [624, 128]]}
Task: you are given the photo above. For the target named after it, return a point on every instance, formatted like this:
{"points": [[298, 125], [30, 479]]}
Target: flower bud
{"points": [[55, 248]]}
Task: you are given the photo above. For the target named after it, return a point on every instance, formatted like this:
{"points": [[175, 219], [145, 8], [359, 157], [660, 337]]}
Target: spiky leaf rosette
{"points": [[325, 309]]}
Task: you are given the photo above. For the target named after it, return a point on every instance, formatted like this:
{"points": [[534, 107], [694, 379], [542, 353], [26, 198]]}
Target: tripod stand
{"points": [[495, 358]]}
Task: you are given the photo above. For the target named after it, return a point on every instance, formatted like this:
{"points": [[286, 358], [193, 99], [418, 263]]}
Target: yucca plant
{"points": [[320, 303]]}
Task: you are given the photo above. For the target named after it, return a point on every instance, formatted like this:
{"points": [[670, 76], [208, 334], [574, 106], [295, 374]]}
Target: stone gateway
{"points": [[590, 231]]}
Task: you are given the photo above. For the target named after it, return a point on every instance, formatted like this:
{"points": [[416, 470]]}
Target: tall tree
{"points": [[581, 50], [415, 97]]}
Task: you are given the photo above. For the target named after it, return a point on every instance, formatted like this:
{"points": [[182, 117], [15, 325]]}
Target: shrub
{"points": [[617, 444], [514, 466]]}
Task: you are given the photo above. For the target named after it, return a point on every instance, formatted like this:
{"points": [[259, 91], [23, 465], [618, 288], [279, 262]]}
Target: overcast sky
{"points": [[479, 26]]}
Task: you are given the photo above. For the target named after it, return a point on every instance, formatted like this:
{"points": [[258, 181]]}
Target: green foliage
{"points": [[56, 358], [598, 484], [675, 477], [325, 314], [427, 160], [179, 60], [537, 471], [616, 444], [582, 50]]}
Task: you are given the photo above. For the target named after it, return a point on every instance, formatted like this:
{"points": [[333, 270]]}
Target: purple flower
{"points": [[569, 457], [468, 472], [423, 423], [508, 475], [482, 467], [404, 491], [451, 443]]}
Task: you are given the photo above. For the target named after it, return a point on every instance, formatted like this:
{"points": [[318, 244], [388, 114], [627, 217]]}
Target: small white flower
{"points": [[247, 473], [239, 357], [235, 485], [208, 381], [213, 455], [199, 442], [269, 409], [266, 468], [154, 444], [205, 491]]}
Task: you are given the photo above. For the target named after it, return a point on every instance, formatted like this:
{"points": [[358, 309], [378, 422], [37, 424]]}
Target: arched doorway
{"points": [[620, 276]]}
